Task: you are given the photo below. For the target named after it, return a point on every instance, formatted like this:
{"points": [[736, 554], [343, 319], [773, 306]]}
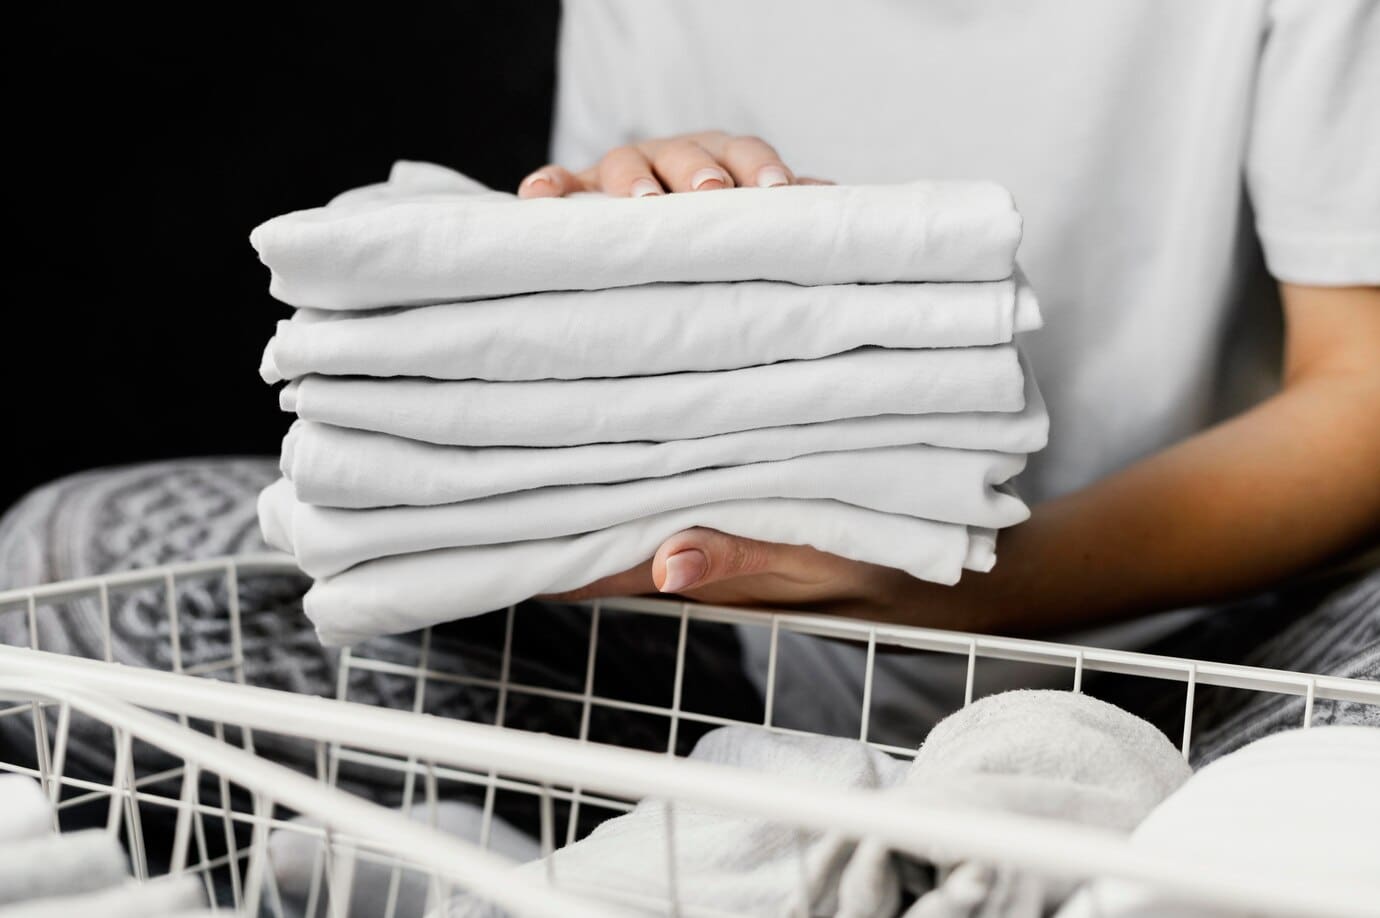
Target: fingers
{"points": [[705, 161], [626, 172], [753, 163], [550, 182], [698, 557], [683, 165]]}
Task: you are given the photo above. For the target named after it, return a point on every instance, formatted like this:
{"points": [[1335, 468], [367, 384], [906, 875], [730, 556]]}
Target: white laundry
{"points": [[52, 864], [340, 467], [406, 592], [676, 406], [951, 486], [1300, 804], [728, 863], [160, 897], [297, 856], [420, 238], [1047, 754], [640, 331], [28, 811]]}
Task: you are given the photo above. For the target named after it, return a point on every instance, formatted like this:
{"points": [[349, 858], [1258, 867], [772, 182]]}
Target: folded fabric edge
{"points": [[596, 555]]}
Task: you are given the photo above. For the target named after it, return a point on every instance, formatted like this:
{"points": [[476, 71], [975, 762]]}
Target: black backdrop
{"points": [[153, 145]]}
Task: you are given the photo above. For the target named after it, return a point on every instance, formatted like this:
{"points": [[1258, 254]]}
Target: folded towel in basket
{"points": [[640, 331], [947, 485], [425, 237], [405, 592], [863, 383], [340, 467]]}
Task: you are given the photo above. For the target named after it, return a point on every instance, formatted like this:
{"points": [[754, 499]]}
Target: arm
{"points": [[1262, 497]]}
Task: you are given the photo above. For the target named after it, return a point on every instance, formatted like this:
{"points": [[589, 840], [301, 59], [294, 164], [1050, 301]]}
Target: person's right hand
{"points": [[707, 161]]}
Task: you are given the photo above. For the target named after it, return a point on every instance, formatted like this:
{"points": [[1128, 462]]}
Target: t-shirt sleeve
{"points": [[1313, 160], [591, 83]]}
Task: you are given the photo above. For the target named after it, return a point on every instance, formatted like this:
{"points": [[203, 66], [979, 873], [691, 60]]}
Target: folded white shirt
{"points": [[405, 592], [952, 486], [640, 331], [676, 406], [339, 467], [420, 239]]}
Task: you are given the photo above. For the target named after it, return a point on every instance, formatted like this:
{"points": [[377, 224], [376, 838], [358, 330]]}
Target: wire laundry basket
{"points": [[223, 799]]}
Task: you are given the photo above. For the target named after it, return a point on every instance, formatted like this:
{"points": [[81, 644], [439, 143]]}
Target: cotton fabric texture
{"points": [[952, 486], [646, 330], [675, 406], [334, 466], [423, 237]]}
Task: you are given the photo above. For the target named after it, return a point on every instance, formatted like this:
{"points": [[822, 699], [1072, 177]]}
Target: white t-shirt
{"points": [[1153, 146]]}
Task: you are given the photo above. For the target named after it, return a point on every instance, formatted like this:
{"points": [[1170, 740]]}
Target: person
{"points": [[1172, 160]]}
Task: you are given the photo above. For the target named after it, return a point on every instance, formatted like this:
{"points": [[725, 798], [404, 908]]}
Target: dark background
{"points": [[154, 144]]}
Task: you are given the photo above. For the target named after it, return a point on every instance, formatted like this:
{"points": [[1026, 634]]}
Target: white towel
{"points": [[1301, 804], [406, 592], [339, 467], [27, 811], [677, 406], [161, 897], [640, 331], [1049, 754], [411, 241], [951, 486], [60, 865], [727, 863]]}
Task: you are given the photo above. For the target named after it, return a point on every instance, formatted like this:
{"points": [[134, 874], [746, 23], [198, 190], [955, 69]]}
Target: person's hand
{"points": [[706, 161], [720, 569], [711, 566]]}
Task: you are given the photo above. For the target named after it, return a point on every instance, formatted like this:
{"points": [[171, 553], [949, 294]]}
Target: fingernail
{"points": [[771, 176], [645, 187], [537, 178], [684, 569], [708, 178]]}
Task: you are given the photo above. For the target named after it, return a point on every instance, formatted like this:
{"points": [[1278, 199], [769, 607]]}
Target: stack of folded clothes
{"points": [[499, 398]]}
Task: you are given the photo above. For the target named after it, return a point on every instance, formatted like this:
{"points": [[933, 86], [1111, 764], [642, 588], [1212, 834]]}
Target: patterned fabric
{"points": [[1339, 636], [1326, 627]]}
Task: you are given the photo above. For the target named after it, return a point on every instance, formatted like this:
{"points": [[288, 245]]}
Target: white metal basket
{"points": [[221, 834]]}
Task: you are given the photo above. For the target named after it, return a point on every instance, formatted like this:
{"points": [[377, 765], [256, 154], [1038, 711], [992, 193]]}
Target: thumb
{"points": [[698, 557]]}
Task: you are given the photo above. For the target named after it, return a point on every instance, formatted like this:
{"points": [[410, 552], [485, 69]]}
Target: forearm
{"points": [[1277, 491]]}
